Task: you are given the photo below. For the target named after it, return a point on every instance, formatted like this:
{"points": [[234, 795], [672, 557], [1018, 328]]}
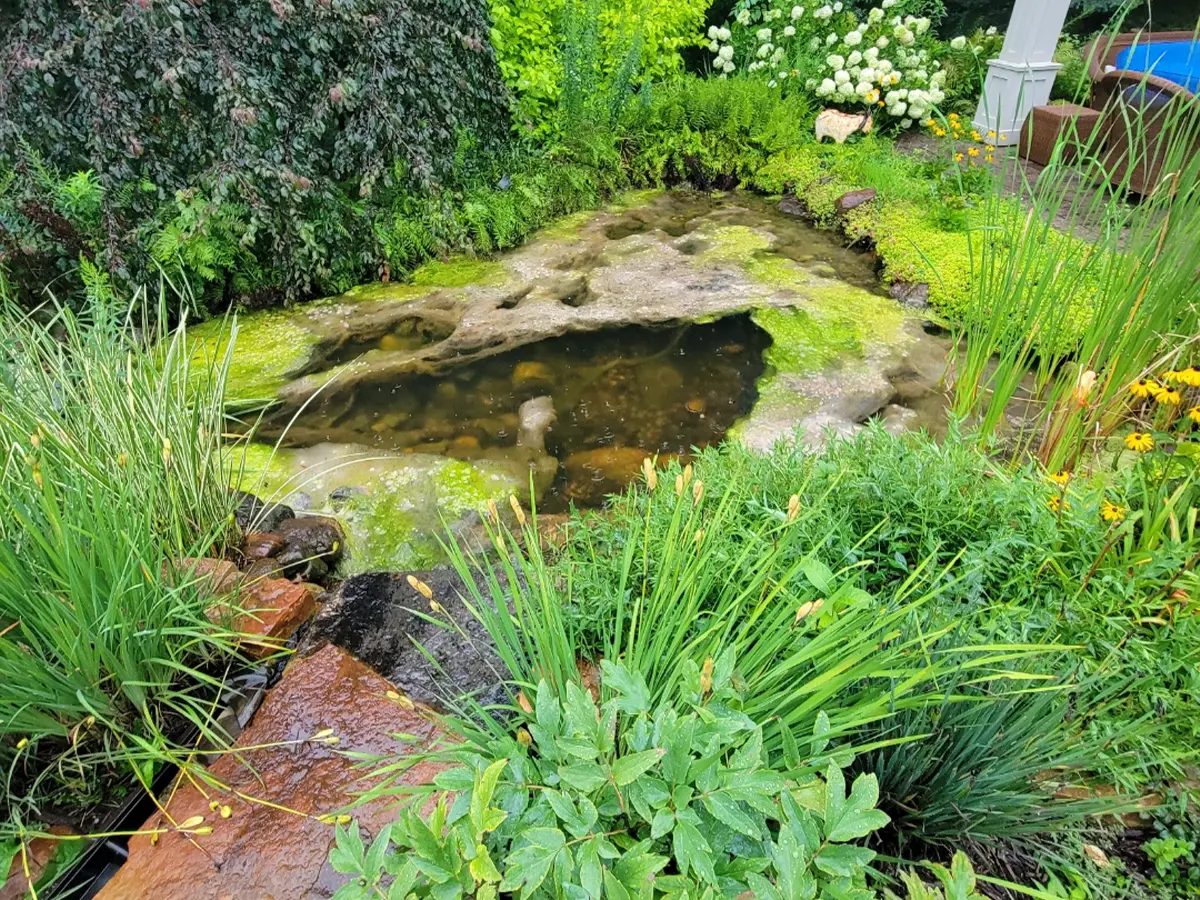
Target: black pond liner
{"points": [[96, 866]]}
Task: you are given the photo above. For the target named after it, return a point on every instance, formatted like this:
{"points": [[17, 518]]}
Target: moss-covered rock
{"points": [[394, 506], [269, 349], [460, 271]]}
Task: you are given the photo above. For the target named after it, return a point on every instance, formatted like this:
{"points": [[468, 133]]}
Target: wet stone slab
{"points": [[261, 852], [434, 655]]}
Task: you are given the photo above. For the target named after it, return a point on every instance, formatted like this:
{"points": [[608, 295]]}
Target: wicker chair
{"points": [[1123, 94]]}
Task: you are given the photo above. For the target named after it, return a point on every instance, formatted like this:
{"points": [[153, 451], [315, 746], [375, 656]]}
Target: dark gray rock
{"points": [[382, 620], [793, 207], [914, 296], [252, 514]]}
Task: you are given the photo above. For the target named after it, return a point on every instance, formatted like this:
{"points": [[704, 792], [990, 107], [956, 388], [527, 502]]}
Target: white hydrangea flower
{"points": [[863, 88], [906, 123], [854, 58], [835, 62], [763, 34], [902, 93], [837, 7], [923, 24], [826, 87], [724, 34], [958, 43], [867, 75], [938, 79], [789, 31], [883, 66], [743, 17], [936, 96], [853, 38], [888, 4], [726, 52], [714, 46], [920, 75], [991, 32], [891, 98], [831, 39], [898, 109], [763, 51], [729, 66], [713, 31], [855, 72], [771, 83], [814, 44], [777, 56], [841, 76], [908, 37], [823, 13], [896, 20], [875, 16], [882, 43], [797, 12], [845, 90]]}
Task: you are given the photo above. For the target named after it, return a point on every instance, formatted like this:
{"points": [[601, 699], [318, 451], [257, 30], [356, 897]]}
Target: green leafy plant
{"points": [[624, 801]]}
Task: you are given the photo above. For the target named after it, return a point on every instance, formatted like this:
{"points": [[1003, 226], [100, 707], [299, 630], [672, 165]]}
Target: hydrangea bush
{"points": [[887, 62]]}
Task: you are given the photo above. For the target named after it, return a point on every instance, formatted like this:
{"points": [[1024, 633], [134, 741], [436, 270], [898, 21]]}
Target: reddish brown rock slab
{"points": [[39, 852], [261, 852], [270, 610], [262, 544], [212, 577]]}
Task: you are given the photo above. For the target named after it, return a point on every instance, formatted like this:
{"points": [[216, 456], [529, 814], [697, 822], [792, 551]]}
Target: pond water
{"points": [[618, 395]]}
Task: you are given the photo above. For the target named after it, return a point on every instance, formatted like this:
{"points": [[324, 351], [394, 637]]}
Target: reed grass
{"points": [[1026, 334], [111, 476]]}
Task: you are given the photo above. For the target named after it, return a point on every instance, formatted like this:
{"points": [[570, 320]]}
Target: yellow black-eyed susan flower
{"points": [[1143, 387], [1194, 414], [1139, 441], [1111, 512], [1061, 478], [1169, 397], [1190, 377], [1057, 503]]}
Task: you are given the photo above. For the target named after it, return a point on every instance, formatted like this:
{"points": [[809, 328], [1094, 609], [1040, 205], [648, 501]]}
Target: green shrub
{"points": [[709, 131], [1072, 82], [275, 121], [529, 37]]}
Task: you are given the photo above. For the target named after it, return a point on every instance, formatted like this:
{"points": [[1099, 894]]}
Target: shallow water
{"points": [[663, 391]]}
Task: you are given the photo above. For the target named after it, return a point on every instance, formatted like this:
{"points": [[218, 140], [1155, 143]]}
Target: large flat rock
{"points": [[261, 852]]}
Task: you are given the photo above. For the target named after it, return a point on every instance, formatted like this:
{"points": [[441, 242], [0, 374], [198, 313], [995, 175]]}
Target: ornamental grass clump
{"points": [[111, 475]]}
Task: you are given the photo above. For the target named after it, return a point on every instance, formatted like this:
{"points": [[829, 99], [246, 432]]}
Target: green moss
{"points": [[802, 343], [259, 468], [269, 350], [459, 271], [565, 227], [462, 486], [382, 536], [378, 291], [734, 243], [631, 199]]}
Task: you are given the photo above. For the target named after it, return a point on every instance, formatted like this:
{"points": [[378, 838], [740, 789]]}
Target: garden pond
{"points": [[666, 322]]}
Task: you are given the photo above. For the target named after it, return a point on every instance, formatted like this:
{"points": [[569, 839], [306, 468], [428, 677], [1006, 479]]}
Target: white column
{"points": [[1021, 77]]}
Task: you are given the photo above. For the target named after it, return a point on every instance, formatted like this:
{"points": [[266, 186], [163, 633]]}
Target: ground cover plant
{"points": [[111, 477]]}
